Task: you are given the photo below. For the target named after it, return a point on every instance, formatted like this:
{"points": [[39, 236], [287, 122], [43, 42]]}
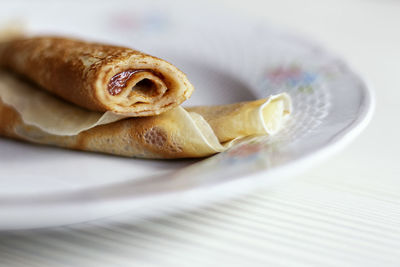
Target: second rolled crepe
{"points": [[98, 77], [36, 116]]}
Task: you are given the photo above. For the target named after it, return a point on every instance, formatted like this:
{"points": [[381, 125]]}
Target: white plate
{"points": [[228, 59]]}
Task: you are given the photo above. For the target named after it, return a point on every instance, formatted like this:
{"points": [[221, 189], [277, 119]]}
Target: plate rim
{"points": [[338, 142]]}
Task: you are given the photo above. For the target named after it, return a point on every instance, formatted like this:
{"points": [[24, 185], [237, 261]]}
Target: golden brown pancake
{"points": [[96, 76], [30, 114]]}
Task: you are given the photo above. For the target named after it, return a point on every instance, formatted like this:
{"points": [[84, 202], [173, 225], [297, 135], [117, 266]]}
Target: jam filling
{"points": [[119, 80]]}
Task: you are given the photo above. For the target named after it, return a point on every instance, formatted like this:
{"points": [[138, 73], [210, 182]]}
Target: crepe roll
{"points": [[97, 77], [35, 116]]}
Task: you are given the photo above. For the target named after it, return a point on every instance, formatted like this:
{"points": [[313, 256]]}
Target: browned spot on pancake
{"points": [[174, 148], [155, 136]]}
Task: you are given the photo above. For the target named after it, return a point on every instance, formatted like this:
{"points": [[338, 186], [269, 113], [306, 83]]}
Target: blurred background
{"points": [[343, 212]]}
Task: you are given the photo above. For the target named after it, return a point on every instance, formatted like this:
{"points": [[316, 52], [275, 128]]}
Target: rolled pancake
{"points": [[98, 77], [36, 116]]}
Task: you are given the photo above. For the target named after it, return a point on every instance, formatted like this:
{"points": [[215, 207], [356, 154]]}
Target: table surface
{"points": [[343, 212]]}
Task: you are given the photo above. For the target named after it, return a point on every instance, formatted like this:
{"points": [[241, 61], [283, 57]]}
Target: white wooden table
{"points": [[344, 212]]}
